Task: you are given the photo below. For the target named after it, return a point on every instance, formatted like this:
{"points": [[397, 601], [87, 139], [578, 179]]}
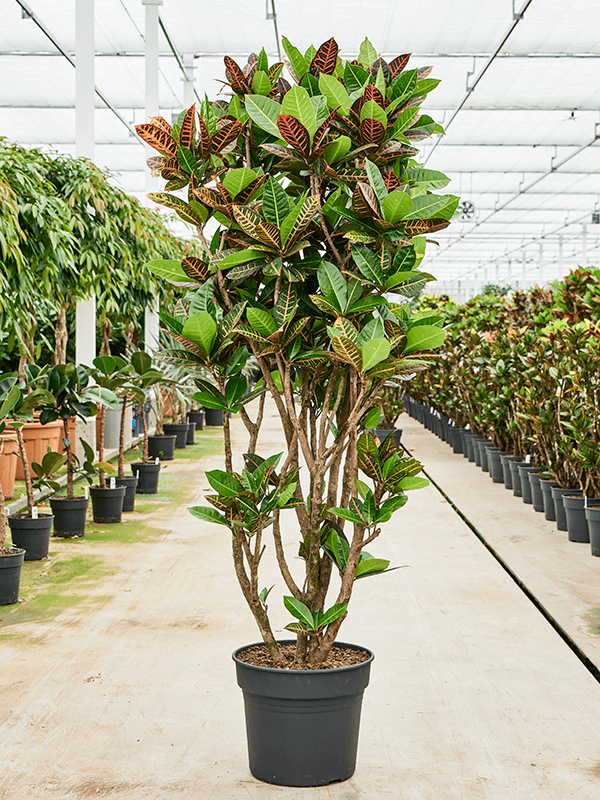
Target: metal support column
{"points": [[85, 103], [584, 245], [541, 264], [151, 321], [188, 81], [560, 258]]}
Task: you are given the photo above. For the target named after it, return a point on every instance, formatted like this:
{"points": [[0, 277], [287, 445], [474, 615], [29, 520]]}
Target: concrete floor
{"points": [[472, 695]]}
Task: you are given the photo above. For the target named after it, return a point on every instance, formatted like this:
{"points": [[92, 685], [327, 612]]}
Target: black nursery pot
{"points": [[495, 465], [559, 509], [197, 417], [107, 504], [383, 433], [537, 497], [180, 431], [10, 575], [592, 515], [147, 475], [302, 725], [505, 460], [577, 524], [69, 515], [162, 447], [516, 477], [130, 483], [524, 470], [457, 440], [213, 416], [546, 485], [32, 535], [191, 426]]}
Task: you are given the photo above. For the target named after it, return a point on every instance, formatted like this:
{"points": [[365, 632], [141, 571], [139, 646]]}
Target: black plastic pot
{"points": [[592, 515], [130, 483], [516, 477], [477, 449], [197, 417], [577, 525], [162, 447], [546, 485], [505, 460], [524, 470], [32, 535], [466, 441], [213, 416], [471, 450], [383, 433], [302, 725], [190, 432], [486, 448], [10, 576], [559, 509], [495, 465], [537, 498], [457, 440], [107, 504], [69, 516], [180, 431], [147, 475]]}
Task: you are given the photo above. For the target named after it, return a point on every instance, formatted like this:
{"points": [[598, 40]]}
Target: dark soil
{"points": [[337, 658]]}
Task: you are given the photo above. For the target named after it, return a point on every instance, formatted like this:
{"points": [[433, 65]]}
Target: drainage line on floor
{"points": [[587, 663]]}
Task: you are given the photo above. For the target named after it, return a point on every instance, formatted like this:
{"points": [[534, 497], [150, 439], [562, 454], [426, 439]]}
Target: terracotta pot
{"points": [[8, 464], [37, 440]]}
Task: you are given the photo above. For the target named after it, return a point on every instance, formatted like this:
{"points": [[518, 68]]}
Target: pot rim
{"points": [[327, 671], [26, 516], [60, 497], [14, 551]]}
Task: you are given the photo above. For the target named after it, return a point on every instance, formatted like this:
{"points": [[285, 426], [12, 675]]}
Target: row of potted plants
{"points": [[64, 393], [521, 372]]}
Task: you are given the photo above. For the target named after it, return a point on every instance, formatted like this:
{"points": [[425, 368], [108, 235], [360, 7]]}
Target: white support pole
{"points": [[523, 270], [560, 258], [509, 273], [151, 321], [188, 81], [85, 103], [584, 245], [541, 264]]}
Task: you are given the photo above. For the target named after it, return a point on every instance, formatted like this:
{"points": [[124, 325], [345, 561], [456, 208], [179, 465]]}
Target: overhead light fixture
{"points": [[596, 218], [271, 12], [467, 209], [25, 14]]}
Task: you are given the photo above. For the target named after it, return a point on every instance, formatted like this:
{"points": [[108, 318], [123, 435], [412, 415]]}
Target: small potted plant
{"points": [[11, 558], [144, 376], [323, 210]]}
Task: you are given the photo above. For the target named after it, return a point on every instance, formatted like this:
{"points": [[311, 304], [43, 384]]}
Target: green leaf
{"points": [[368, 263], [201, 329], [224, 483], [335, 93], [425, 86], [410, 483], [336, 149], [333, 285], [237, 179], [275, 204], [240, 257], [289, 222], [261, 83], [297, 104], [426, 206], [297, 60], [235, 388], [300, 611], [264, 112], [405, 259], [404, 121], [333, 613], [376, 180], [373, 352], [372, 418], [169, 270], [349, 516], [424, 337], [396, 206], [261, 321], [429, 177], [372, 110], [208, 514], [407, 279], [367, 53], [370, 566], [355, 77]]}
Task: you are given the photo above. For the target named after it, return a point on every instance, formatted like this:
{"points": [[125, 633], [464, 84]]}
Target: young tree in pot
{"points": [[11, 558], [319, 202], [143, 377], [73, 398]]}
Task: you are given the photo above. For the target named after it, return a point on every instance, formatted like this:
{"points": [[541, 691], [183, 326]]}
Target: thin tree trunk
{"points": [[105, 330], [61, 336], [70, 463], [2, 521], [26, 472], [121, 472], [145, 440], [100, 444]]}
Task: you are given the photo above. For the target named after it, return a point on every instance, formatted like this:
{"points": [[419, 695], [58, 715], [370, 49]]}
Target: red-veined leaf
{"points": [[157, 138], [188, 128], [205, 145], [195, 269], [397, 65], [372, 130], [269, 233], [415, 227], [325, 59], [228, 133], [161, 122], [294, 133], [235, 76]]}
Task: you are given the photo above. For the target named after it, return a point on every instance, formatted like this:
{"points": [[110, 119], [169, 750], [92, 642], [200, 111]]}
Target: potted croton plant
{"points": [[322, 209]]}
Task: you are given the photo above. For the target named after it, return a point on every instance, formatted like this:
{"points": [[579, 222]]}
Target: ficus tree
{"points": [[321, 211]]}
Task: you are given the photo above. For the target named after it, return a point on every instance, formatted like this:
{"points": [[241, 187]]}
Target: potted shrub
{"points": [[73, 397], [11, 558], [322, 211], [144, 376]]}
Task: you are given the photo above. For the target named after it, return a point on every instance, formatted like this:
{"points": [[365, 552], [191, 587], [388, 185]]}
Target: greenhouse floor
{"points": [[473, 693]]}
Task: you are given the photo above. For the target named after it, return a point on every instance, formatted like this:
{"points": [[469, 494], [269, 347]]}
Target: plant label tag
{"points": [[528, 459], [86, 492], [113, 483], [157, 462], [35, 513]]}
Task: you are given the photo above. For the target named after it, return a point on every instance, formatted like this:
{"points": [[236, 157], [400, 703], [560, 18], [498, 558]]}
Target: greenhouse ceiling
{"points": [[519, 98]]}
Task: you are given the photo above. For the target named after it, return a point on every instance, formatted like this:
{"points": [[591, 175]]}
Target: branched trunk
{"points": [[70, 462], [121, 470], [145, 437], [105, 330], [100, 444]]}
